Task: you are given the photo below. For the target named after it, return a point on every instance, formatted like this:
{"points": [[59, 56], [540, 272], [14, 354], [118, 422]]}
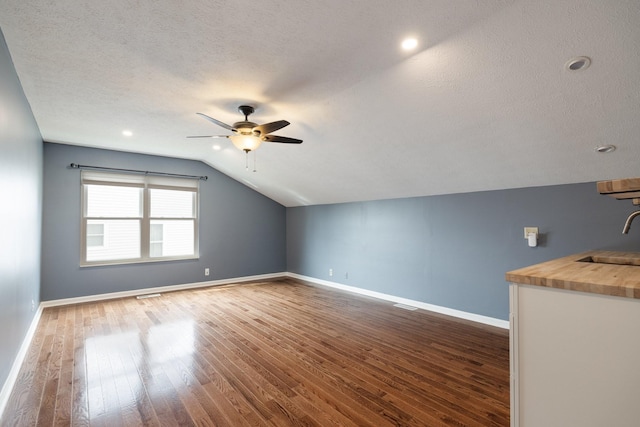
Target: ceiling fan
{"points": [[247, 136]]}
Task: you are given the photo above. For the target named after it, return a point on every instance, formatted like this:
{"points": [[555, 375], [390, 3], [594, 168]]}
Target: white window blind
{"points": [[138, 218]]}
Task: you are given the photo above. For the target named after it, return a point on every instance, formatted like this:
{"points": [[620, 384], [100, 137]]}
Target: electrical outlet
{"points": [[346, 275], [206, 271], [528, 230], [33, 306], [330, 272]]}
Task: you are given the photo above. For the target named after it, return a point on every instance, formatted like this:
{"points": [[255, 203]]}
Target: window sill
{"points": [[137, 261]]}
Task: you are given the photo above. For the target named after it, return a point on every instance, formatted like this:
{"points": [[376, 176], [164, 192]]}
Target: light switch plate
{"points": [[528, 230]]}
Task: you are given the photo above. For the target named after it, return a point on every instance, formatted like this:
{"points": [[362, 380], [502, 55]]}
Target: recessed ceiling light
{"points": [[217, 147], [127, 133], [578, 63], [606, 148], [409, 44]]}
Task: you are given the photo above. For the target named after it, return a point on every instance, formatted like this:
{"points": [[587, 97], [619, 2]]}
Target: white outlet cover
{"points": [[528, 230]]}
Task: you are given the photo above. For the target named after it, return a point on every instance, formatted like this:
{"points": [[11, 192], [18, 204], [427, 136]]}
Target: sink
{"points": [[616, 260]]}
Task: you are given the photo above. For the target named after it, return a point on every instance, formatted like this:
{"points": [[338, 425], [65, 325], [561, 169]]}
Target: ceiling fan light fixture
{"points": [[245, 142]]}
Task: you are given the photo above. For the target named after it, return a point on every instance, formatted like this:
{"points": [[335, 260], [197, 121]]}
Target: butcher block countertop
{"points": [[599, 272]]}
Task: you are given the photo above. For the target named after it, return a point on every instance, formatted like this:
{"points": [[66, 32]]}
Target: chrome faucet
{"points": [[627, 224]]}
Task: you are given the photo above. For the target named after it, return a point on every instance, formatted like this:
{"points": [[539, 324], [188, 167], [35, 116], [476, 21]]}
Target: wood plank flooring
{"points": [[277, 353]]}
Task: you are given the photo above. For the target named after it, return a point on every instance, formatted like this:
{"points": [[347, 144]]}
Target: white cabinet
{"points": [[575, 358]]}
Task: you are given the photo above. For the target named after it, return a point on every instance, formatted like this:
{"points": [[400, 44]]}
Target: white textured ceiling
{"points": [[485, 103]]}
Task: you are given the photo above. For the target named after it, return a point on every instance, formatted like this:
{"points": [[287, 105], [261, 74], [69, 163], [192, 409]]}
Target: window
{"points": [[137, 218]]}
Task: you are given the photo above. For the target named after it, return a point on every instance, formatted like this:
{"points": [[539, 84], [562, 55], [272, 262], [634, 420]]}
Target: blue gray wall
{"points": [[452, 250], [20, 213], [242, 233]]}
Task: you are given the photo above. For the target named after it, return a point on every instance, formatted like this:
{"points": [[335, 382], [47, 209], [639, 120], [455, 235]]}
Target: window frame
{"points": [[146, 183]]}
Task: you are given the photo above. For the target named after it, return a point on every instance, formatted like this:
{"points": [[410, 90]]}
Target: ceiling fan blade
{"points": [[283, 139], [208, 136], [218, 122], [271, 127]]}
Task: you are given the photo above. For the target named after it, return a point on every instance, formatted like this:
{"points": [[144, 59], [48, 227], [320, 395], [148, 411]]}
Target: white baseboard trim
{"points": [[504, 324], [7, 387], [159, 289]]}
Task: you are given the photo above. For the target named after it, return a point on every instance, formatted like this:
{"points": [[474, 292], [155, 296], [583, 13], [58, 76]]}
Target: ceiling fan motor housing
{"points": [[245, 128]]}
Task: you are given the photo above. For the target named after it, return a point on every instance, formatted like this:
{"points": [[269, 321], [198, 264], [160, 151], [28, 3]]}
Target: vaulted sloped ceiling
{"points": [[485, 102]]}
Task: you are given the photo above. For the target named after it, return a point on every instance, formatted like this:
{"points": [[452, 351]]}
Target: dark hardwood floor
{"points": [[275, 353]]}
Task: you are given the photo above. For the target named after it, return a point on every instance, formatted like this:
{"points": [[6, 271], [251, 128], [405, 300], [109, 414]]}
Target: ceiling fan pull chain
{"points": [[254, 162], [246, 159]]}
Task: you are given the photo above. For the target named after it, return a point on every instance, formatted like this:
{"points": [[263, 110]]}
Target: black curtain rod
{"points": [[175, 175]]}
